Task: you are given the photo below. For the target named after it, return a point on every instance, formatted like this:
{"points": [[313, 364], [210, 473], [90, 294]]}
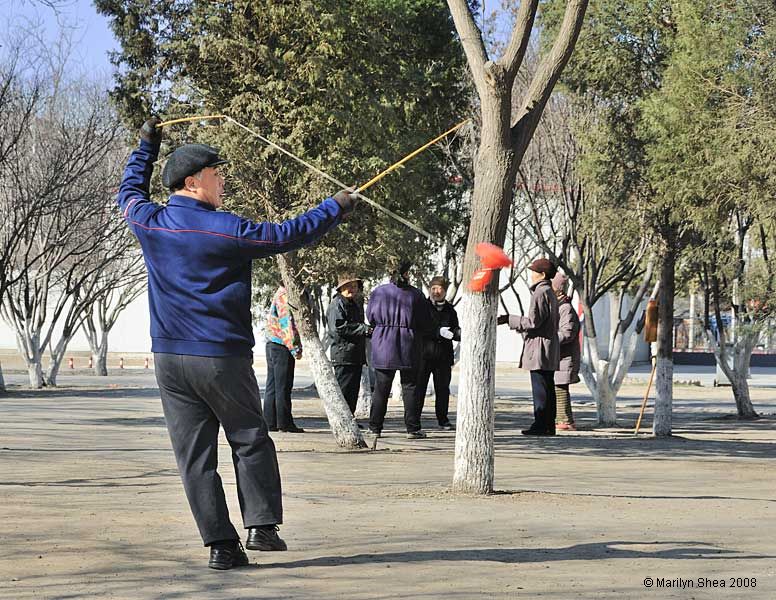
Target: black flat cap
{"points": [[187, 160]]}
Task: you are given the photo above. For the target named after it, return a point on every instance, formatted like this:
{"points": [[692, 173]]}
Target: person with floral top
{"points": [[284, 348]]}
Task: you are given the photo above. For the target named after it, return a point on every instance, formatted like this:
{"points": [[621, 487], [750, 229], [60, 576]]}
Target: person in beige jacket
{"points": [[541, 350], [568, 371]]}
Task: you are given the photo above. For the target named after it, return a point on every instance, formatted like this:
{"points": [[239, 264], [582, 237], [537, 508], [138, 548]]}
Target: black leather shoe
{"points": [[265, 538], [227, 555], [533, 431], [292, 429]]}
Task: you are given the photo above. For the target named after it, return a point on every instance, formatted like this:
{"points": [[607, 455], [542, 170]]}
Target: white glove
{"points": [[446, 333]]}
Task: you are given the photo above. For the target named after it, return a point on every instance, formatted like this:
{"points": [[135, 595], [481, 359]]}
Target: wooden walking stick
{"points": [[646, 396], [650, 336]]}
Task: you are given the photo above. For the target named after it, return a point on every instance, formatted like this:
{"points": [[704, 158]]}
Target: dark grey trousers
{"points": [[277, 391], [199, 394]]}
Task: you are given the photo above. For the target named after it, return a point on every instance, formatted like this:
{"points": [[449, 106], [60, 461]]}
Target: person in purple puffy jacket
{"points": [[399, 314]]}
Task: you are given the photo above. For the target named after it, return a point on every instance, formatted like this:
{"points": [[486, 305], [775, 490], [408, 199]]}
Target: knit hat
{"points": [[187, 160]]}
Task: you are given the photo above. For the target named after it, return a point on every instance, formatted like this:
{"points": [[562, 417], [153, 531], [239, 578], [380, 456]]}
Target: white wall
{"points": [[132, 331]]}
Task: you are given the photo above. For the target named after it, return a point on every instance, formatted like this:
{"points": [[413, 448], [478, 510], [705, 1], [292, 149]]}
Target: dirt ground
{"points": [[91, 506]]}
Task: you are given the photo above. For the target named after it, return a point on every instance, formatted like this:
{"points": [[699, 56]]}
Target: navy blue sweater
{"points": [[199, 262]]}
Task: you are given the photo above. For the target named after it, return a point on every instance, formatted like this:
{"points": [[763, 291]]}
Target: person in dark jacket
{"points": [[199, 293], [568, 338], [347, 335], [438, 357], [399, 314], [541, 350]]}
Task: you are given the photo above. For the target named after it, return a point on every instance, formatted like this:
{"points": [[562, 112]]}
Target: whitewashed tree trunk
{"points": [[98, 344], [742, 353], [343, 424], [35, 374], [606, 400], [476, 393], [53, 371], [597, 376], [56, 356], [664, 376], [396, 390], [100, 362], [504, 138], [664, 366], [341, 420], [29, 348], [364, 405]]}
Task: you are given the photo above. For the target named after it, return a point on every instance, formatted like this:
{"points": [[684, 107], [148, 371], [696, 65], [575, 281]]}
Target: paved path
{"points": [[91, 506]]}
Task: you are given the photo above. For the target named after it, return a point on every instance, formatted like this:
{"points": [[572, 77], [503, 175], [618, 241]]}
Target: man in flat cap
{"points": [[347, 334], [199, 293], [541, 348], [438, 355]]}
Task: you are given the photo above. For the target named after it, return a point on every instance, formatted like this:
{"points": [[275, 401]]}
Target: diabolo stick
{"points": [[325, 175]]}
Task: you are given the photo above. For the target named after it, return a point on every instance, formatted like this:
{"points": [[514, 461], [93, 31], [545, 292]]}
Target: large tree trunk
{"points": [[100, 361], [343, 424], [35, 373], [596, 374], [664, 370], [495, 171], [741, 395], [742, 357], [29, 348], [502, 146], [99, 352], [476, 393]]}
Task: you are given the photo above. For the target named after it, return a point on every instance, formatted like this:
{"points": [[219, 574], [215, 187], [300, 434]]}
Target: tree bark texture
{"points": [[664, 372], [343, 424]]}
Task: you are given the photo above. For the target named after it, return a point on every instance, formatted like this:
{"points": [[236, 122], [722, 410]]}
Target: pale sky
{"points": [[91, 35]]}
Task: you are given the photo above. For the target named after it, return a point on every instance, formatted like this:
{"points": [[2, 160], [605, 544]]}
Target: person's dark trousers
{"points": [[349, 380], [280, 381], [543, 388], [383, 382], [442, 373], [199, 394]]}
